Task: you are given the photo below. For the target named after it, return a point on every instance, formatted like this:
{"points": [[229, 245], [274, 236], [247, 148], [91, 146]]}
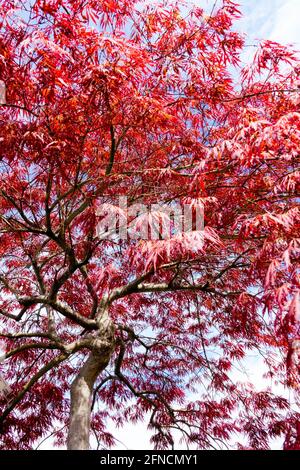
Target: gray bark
{"points": [[102, 348]]}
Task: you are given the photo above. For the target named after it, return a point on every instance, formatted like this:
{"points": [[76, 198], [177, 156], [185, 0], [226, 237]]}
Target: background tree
{"points": [[139, 100]]}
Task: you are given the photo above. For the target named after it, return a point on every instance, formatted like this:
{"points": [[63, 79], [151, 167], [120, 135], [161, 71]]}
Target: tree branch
{"points": [[112, 151], [53, 363]]}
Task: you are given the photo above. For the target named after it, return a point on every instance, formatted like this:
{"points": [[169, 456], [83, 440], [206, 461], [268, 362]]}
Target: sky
{"points": [[277, 20]]}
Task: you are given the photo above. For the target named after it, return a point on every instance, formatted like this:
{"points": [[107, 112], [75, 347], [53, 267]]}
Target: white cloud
{"points": [[277, 20], [286, 26]]}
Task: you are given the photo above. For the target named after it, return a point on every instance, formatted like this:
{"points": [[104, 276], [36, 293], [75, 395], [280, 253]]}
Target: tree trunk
{"points": [[82, 391]]}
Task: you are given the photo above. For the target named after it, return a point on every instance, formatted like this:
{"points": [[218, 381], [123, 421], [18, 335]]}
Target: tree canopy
{"points": [[148, 101]]}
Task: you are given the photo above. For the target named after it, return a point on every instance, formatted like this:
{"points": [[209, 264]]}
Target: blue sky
{"points": [[277, 20]]}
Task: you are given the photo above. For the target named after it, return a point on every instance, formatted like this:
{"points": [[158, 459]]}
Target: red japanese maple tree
{"points": [[146, 100]]}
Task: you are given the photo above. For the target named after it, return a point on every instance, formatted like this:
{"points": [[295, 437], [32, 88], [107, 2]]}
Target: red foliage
{"points": [[138, 99]]}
